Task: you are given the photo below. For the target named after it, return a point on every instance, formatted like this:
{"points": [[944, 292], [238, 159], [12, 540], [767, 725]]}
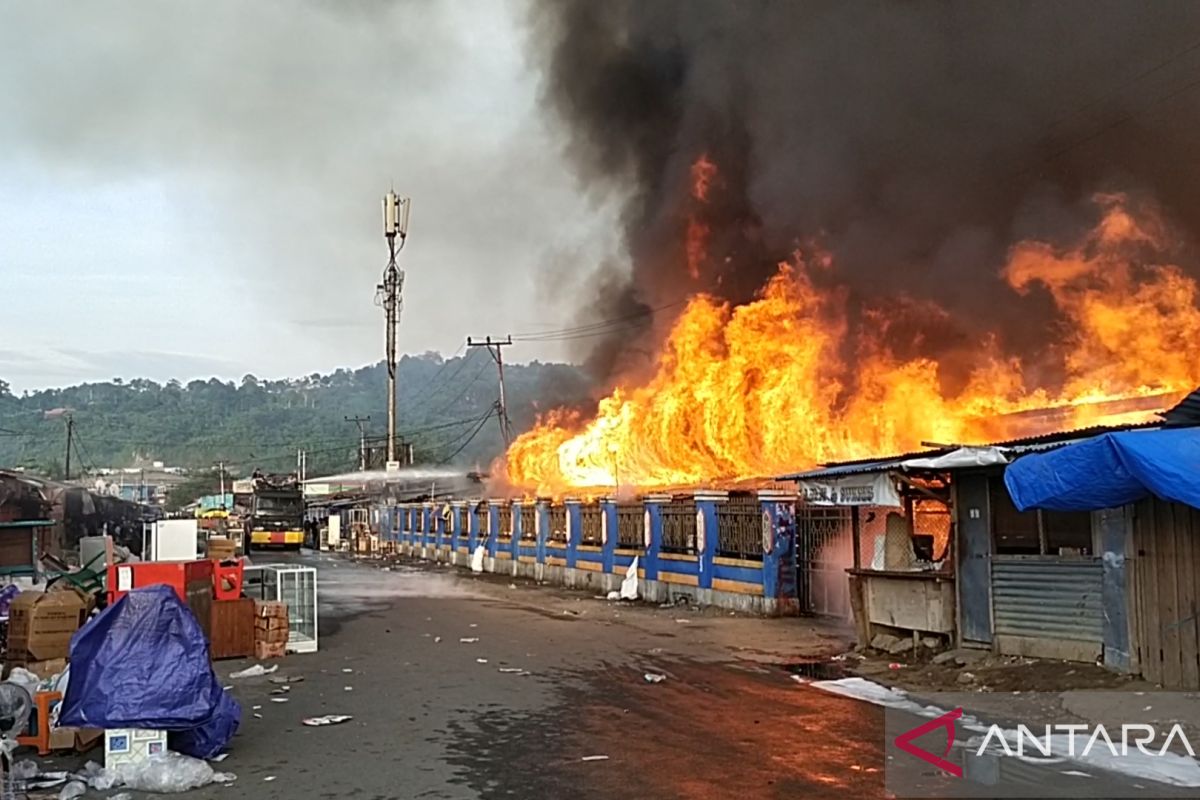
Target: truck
{"points": [[275, 516]]}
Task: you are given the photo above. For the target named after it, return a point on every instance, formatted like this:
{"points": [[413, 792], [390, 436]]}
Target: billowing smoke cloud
{"points": [[915, 142]]}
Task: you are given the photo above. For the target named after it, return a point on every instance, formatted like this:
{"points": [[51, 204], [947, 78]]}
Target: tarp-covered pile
{"points": [[144, 663], [1110, 471]]}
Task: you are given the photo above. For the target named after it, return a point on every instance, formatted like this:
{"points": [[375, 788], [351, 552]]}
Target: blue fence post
{"points": [[542, 515], [706, 533], [456, 528], [410, 526], [426, 525], [514, 527], [653, 532], [493, 531], [472, 527], [779, 551], [574, 529], [608, 532], [439, 525]]}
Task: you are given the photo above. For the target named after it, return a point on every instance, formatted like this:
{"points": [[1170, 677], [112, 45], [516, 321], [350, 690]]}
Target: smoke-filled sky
{"points": [[194, 188], [914, 142]]}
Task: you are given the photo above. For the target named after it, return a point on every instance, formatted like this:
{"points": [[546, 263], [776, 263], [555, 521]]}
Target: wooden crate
{"points": [[232, 628]]}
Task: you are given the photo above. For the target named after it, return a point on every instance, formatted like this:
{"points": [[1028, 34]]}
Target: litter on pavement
{"points": [[468, 640], [328, 719], [654, 677], [256, 671], [594, 758]]}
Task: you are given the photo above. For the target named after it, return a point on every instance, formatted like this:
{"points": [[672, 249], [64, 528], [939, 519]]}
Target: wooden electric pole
{"points": [[495, 351]]}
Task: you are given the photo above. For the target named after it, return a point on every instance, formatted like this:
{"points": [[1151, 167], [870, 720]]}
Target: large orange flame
{"points": [[763, 388]]}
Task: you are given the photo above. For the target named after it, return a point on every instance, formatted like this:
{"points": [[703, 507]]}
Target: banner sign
{"points": [[852, 490]]}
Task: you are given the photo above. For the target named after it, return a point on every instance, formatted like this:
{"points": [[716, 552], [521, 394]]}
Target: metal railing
{"points": [[506, 526], [590, 525], [740, 528], [558, 524], [464, 520], [482, 517], [529, 522], [631, 526], [679, 527]]}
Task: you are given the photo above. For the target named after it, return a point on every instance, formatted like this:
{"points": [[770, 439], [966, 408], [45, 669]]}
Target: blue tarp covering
{"points": [[143, 663], [1109, 471]]}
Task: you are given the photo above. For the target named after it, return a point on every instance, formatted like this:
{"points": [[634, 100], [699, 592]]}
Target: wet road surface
{"points": [[439, 717]]}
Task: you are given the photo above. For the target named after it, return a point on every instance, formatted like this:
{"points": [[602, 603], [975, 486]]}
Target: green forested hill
{"points": [[259, 423]]}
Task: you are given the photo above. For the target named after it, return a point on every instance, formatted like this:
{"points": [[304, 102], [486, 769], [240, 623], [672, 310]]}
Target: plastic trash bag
{"points": [[169, 774], [72, 790], [144, 663], [98, 777], [629, 586], [256, 671], [477, 559]]}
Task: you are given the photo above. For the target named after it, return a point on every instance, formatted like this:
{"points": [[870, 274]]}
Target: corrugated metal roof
{"points": [[1187, 412], [1029, 444]]}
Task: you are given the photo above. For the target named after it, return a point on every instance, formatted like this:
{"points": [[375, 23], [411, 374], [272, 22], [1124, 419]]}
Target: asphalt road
{"points": [[438, 717]]}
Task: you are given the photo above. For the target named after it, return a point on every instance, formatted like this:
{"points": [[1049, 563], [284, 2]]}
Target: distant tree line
{"points": [[444, 412]]}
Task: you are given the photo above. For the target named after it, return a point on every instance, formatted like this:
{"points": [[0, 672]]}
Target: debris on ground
{"points": [[613, 596], [279, 699], [437, 639], [594, 758], [513, 671], [654, 677], [328, 719], [468, 640], [256, 671], [481, 661]]}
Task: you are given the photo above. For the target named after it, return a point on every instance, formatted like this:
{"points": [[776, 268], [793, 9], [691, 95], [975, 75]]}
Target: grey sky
{"points": [[193, 188]]}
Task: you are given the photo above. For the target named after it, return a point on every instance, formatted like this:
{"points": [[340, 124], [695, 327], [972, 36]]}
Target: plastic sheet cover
{"points": [[144, 663], [1110, 471]]}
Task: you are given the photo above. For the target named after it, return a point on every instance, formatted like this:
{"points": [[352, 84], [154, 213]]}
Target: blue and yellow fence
{"points": [[716, 548]]}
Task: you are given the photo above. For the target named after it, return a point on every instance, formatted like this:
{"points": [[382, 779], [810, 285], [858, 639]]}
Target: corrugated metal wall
{"points": [[1048, 607]]}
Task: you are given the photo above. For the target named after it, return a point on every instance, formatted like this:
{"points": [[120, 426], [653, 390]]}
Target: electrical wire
{"points": [[595, 328]]}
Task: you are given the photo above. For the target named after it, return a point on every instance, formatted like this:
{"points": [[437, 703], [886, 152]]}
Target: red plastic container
{"points": [[176, 574], [227, 579]]}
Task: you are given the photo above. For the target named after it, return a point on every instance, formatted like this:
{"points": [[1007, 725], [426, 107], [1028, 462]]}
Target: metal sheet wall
{"points": [[1048, 606]]}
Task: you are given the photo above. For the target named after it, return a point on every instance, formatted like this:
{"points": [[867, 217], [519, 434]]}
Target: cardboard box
{"points": [[270, 609], [271, 623], [40, 625], [276, 636], [266, 650], [78, 739], [132, 745], [221, 549]]}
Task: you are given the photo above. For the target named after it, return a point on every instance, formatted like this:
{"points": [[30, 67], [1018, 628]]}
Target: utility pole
{"points": [[388, 295], [494, 350], [221, 467], [67, 461], [361, 422]]}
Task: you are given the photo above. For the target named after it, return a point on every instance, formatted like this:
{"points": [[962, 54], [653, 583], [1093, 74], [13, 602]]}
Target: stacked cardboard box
{"points": [[270, 630], [40, 627], [222, 548]]}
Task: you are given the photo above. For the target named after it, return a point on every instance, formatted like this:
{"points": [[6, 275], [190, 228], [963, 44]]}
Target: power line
{"points": [[470, 439], [595, 328]]}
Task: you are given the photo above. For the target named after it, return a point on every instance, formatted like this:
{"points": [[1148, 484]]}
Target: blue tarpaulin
{"points": [[144, 663], [1109, 471]]}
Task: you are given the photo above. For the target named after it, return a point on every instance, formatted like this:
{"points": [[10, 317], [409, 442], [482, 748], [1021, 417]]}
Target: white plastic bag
{"points": [[477, 559], [629, 586], [257, 671], [168, 774]]}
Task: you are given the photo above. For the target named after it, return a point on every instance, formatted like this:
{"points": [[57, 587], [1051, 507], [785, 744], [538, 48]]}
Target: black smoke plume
{"points": [[916, 141]]}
